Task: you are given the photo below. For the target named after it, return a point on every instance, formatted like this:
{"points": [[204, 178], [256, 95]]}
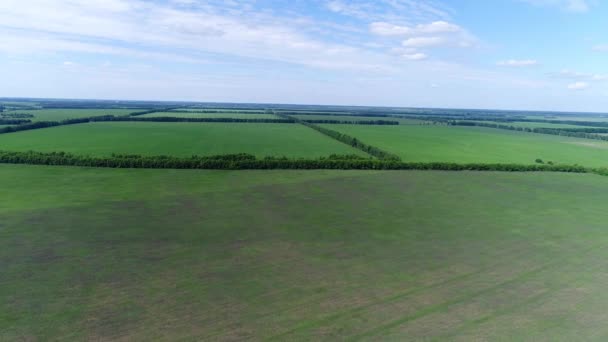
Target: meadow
{"points": [[178, 139], [537, 124], [227, 114], [64, 114], [102, 254], [402, 121], [436, 143]]}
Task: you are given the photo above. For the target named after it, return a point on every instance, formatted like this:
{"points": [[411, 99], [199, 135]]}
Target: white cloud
{"points": [[518, 63], [575, 75], [578, 86], [601, 47], [386, 29], [579, 6], [423, 42], [417, 56], [435, 27]]}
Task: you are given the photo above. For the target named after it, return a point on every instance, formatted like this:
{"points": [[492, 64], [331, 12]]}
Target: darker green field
{"points": [[478, 145], [99, 254], [178, 139], [64, 114]]}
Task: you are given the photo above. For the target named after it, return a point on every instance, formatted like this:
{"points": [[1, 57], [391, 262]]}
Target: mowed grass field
{"points": [[178, 139], [64, 114], [227, 114], [478, 145], [101, 254]]}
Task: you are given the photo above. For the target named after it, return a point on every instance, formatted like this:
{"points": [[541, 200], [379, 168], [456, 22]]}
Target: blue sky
{"points": [[507, 54]]}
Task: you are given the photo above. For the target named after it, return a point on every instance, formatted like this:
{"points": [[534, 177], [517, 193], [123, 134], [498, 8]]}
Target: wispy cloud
{"points": [[578, 6], [601, 47], [578, 86], [518, 63]]}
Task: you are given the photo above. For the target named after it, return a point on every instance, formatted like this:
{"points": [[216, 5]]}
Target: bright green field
{"points": [[178, 139], [63, 114], [359, 118], [210, 115], [477, 144], [100, 254]]}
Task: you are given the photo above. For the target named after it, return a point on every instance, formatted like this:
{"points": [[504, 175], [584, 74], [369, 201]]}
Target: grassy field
{"points": [[227, 114], [478, 144], [63, 114], [402, 121], [100, 254], [178, 139], [536, 124]]}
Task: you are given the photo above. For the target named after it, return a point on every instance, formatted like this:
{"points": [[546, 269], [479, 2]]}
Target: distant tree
{"points": [[539, 161]]}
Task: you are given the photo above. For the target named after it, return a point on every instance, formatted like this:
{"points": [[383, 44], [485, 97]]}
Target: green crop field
{"points": [[478, 144], [63, 114], [101, 254], [536, 124], [178, 139], [226, 114], [402, 121]]}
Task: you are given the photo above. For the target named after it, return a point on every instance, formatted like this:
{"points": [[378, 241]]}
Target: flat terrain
{"points": [[536, 124], [478, 144], [63, 114], [401, 121], [227, 114], [102, 254], [178, 139]]}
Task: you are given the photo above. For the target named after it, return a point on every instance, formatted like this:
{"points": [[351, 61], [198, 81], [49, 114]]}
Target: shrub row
{"points": [[246, 162]]}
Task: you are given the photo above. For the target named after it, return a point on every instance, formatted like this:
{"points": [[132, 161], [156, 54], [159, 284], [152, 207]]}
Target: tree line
{"points": [[16, 115], [248, 162], [346, 139], [13, 121], [567, 132]]}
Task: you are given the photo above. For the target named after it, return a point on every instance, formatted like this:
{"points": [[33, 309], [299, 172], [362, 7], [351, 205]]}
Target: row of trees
{"points": [[13, 121], [567, 132], [245, 161], [346, 139], [16, 115]]}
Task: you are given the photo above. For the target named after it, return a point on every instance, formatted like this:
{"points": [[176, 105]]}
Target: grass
{"points": [[227, 114], [401, 121], [179, 139], [537, 124], [63, 114], [478, 144], [97, 254]]}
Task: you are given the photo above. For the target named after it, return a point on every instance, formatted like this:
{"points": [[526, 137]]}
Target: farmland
{"points": [[64, 114], [163, 252], [476, 144], [310, 255], [226, 114], [179, 139]]}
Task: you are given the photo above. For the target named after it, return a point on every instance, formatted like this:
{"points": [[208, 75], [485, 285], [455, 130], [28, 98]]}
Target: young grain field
{"points": [[101, 254]]}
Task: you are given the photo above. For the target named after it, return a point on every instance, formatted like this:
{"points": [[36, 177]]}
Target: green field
{"points": [[177, 139], [535, 124], [101, 254], [478, 145], [63, 114], [401, 121], [227, 114]]}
